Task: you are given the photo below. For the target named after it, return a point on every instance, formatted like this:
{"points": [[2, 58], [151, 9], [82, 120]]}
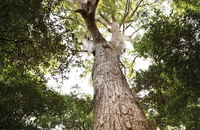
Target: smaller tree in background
{"points": [[27, 103], [31, 44], [172, 81]]}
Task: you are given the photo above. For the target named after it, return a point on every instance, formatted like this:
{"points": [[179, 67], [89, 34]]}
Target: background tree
{"points": [[77, 113], [24, 98], [27, 103], [31, 44], [172, 80]]}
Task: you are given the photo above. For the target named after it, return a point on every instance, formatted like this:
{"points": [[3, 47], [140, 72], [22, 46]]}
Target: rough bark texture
{"points": [[115, 107]]}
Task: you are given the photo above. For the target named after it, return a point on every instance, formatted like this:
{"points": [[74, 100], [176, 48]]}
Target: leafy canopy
{"points": [[172, 81], [32, 43]]}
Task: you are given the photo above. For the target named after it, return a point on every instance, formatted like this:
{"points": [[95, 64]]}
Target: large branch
{"points": [[88, 13]]}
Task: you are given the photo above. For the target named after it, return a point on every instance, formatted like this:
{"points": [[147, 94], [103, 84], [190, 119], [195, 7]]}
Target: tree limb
{"points": [[132, 70], [64, 17], [126, 12], [104, 24], [136, 8], [134, 32], [79, 50], [104, 18], [88, 13]]}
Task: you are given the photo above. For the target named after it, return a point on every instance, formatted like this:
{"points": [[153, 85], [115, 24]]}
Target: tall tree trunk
{"points": [[115, 107]]}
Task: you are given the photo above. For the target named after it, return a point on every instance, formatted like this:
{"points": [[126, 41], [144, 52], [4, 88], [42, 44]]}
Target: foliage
{"points": [[24, 96], [26, 103], [38, 37], [172, 81], [125, 12], [30, 36], [77, 114], [187, 4], [32, 43]]}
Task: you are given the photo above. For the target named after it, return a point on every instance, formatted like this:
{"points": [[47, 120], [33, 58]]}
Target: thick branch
{"points": [[88, 14]]}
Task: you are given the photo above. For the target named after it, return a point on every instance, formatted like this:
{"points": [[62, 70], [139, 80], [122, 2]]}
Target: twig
{"points": [[134, 32], [64, 17], [79, 50], [126, 12], [104, 18], [123, 66], [136, 8], [104, 24], [132, 70]]}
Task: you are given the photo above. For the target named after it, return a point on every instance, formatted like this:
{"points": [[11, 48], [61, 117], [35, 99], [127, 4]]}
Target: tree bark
{"points": [[115, 107]]}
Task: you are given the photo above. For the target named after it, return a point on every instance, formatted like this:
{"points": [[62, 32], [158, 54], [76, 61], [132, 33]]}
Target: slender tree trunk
{"points": [[115, 107]]}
